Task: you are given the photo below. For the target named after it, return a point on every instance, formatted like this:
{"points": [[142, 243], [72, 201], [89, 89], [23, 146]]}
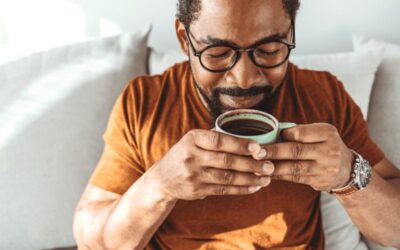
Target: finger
{"points": [[215, 189], [227, 161], [232, 178], [215, 141], [296, 171], [291, 151], [309, 133]]}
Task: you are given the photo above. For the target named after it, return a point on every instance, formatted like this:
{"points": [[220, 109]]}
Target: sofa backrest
{"points": [[54, 107]]}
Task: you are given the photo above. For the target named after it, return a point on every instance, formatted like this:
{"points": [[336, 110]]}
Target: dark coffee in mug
{"points": [[247, 127]]}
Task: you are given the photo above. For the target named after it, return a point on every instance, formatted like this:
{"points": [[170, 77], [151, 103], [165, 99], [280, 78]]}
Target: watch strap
{"points": [[349, 189]]}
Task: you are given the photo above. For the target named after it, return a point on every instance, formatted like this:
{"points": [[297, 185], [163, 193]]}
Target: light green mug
{"points": [[251, 124]]}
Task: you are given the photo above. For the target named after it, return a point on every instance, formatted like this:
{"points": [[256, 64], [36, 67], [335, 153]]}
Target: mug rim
{"points": [[246, 111]]}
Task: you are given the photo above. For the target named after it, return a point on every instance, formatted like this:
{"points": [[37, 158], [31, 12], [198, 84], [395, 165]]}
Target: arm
{"points": [[118, 222], [202, 163], [315, 155], [375, 210]]}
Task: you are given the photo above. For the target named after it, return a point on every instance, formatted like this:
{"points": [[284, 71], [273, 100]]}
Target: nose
{"points": [[245, 74]]}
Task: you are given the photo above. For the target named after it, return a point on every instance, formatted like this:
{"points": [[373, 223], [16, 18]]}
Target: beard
{"points": [[216, 108]]}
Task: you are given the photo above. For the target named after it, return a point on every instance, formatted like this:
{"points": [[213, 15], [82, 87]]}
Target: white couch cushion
{"points": [[384, 115], [357, 71], [54, 108]]}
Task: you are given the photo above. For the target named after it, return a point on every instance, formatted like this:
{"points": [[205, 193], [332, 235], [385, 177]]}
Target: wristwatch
{"points": [[360, 176]]}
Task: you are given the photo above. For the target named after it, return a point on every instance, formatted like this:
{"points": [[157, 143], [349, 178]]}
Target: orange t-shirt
{"points": [[154, 112]]}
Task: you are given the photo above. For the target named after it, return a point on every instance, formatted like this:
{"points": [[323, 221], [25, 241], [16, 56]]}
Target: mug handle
{"points": [[285, 125]]}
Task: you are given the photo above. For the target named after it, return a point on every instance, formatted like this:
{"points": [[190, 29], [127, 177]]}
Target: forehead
{"points": [[241, 21]]}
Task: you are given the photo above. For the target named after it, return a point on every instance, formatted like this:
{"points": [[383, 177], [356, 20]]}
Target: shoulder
{"points": [[307, 78], [318, 86], [151, 84], [144, 94], [149, 87]]}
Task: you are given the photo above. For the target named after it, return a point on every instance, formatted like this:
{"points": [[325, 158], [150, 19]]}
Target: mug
{"points": [[251, 124]]}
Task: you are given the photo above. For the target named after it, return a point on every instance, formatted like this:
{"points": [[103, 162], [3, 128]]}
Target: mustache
{"points": [[253, 91]]}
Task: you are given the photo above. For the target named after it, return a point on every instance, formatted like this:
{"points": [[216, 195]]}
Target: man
{"points": [[166, 180]]}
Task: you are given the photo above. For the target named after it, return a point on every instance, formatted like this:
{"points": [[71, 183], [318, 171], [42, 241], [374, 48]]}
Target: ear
{"points": [[181, 35]]}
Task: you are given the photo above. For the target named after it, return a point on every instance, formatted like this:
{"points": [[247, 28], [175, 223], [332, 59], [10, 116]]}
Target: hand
{"points": [[312, 154], [207, 163]]}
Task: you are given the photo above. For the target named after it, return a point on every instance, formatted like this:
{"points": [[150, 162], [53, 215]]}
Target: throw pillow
{"points": [[54, 108], [355, 69], [384, 115]]}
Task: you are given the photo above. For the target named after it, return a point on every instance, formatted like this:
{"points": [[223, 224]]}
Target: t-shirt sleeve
{"points": [[120, 164], [354, 129]]}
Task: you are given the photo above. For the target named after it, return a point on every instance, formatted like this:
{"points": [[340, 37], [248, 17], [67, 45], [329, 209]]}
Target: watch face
{"points": [[363, 173]]}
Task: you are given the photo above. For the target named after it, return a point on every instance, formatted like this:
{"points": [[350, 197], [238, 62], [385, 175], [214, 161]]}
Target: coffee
{"points": [[247, 127]]}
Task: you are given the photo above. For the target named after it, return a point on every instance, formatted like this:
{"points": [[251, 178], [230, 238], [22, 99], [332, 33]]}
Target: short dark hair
{"points": [[188, 10]]}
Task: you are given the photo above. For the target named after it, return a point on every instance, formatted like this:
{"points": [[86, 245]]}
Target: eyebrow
{"points": [[217, 41]]}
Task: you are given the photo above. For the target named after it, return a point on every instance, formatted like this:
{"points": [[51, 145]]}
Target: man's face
{"points": [[242, 23]]}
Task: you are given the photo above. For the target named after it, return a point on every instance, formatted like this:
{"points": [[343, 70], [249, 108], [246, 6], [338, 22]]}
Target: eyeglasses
{"points": [[266, 54]]}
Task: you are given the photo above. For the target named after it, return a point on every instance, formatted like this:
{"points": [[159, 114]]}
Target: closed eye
{"points": [[268, 53], [221, 55]]}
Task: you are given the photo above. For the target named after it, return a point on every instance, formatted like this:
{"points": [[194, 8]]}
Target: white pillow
{"points": [[54, 107], [160, 61], [384, 115], [355, 69], [385, 97]]}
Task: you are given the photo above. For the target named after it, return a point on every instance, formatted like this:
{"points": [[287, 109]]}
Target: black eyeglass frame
{"points": [[238, 51]]}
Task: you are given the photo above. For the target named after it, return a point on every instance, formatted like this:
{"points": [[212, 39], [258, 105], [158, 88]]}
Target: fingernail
{"points": [[262, 153], [254, 188], [264, 181], [254, 147], [268, 168]]}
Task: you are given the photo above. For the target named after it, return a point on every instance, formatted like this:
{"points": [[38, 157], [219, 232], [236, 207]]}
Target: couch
{"points": [[54, 107]]}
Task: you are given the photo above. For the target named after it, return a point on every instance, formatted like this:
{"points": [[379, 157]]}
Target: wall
{"points": [[323, 25]]}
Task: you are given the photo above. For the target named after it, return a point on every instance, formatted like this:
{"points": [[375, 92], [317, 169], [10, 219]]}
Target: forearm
{"points": [[126, 223], [136, 217], [375, 210]]}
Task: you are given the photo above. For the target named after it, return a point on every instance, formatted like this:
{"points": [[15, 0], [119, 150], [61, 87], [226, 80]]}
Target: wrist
{"points": [[155, 188], [349, 169], [147, 191], [360, 176]]}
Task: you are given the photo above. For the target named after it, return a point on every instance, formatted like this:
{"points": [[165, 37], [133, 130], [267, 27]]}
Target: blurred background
{"points": [[323, 25]]}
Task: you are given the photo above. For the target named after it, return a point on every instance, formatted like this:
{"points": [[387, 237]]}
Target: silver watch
{"points": [[360, 176]]}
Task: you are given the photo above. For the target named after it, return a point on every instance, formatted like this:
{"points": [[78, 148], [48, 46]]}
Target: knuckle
{"points": [[335, 171], [272, 151], [187, 157], [297, 150], [228, 177], [220, 190], [215, 139], [332, 132], [334, 151], [191, 134], [188, 175], [243, 190], [296, 171], [295, 133], [205, 174], [225, 159]]}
